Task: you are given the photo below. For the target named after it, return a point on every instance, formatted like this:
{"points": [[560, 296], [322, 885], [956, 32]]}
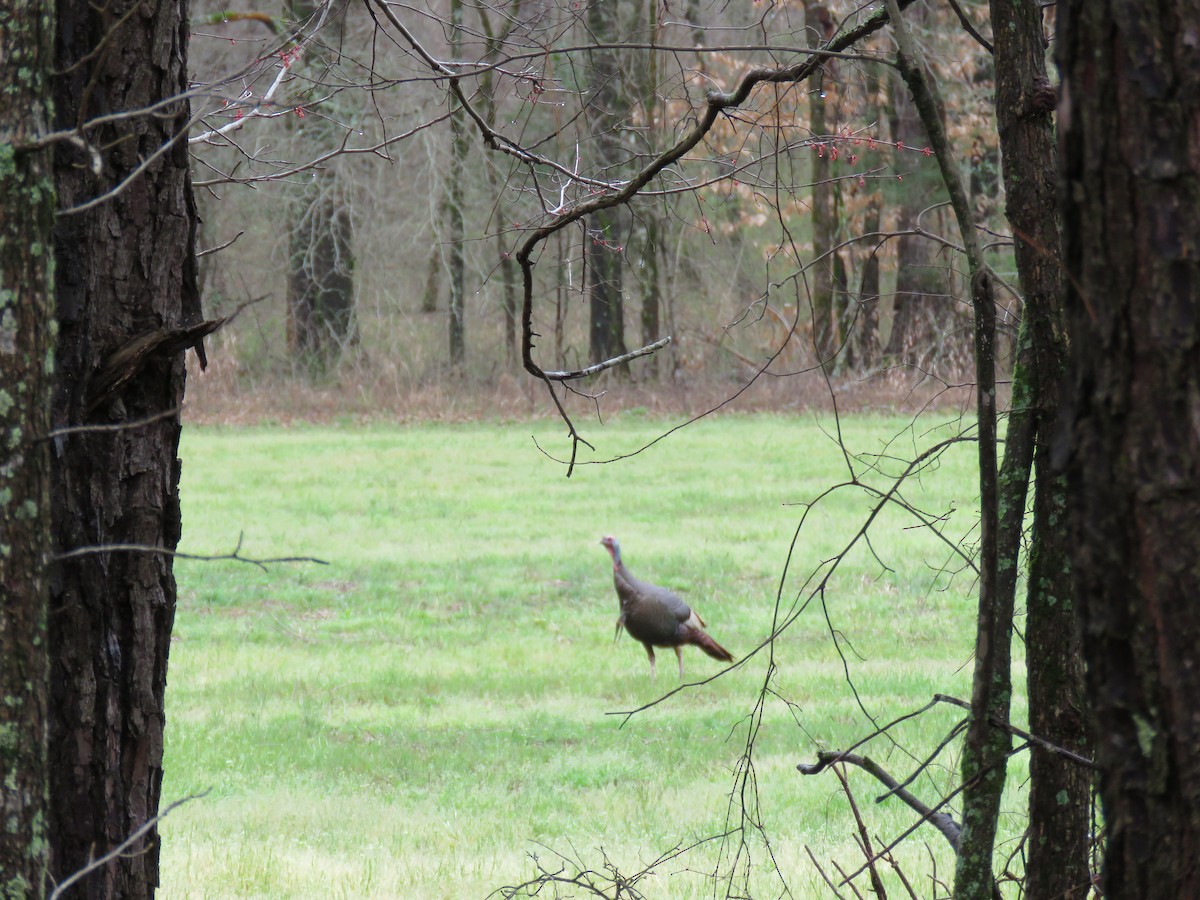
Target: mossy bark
{"points": [[1059, 807], [26, 366], [985, 745]]}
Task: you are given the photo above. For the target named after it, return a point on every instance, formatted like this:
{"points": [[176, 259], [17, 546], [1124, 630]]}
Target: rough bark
{"points": [[1059, 808], [866, 340], [865, 312], [26, 363], [124, 268], [1130, 444], [651, 289]]}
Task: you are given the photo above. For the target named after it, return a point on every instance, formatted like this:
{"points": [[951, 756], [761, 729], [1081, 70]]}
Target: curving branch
{"points": [[611, 194], [942, 821]]}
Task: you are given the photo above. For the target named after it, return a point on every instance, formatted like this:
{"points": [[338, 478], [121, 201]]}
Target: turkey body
{"points": [[656, 617]]}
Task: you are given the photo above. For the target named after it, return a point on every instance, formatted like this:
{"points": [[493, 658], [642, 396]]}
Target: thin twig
{"points": [[121, 847], [826, 878], [1025, 735], [219, 247], [113, 426], [970, 27], [235, 556], [876, 882]]}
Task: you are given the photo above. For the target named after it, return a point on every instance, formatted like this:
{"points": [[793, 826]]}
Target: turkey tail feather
{"points": [[708, 645]]}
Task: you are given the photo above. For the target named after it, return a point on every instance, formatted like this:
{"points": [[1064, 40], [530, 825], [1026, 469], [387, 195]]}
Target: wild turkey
{"points": [[656, 617]]}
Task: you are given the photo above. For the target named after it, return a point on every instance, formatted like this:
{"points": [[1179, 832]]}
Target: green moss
{"points": [[1145, 735], [9, 737]]}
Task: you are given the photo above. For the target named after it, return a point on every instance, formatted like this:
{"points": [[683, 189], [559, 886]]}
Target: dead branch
{"points": [[608, 363], [829, 881], [113, 426], [1024, 735], [943, 822], [234, 556], [864, 836]]}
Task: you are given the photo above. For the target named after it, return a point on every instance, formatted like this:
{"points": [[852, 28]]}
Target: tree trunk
{"points": [[320, 275], [607, 108], [651, 279], [651, 289], [26, 362], [1059, 807], [923, 307], [864, 317], [321, 248], [124, 268], [819, 28], [866, 340], [457, 331], [487, 95], [986, 743], [1130, 444]]}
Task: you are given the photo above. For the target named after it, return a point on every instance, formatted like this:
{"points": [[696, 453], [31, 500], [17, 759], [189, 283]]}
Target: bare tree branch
{"points": [[235, 555], [943, 822]]}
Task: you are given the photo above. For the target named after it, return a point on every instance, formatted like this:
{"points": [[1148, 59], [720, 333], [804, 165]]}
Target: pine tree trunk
{"points": [[26, 362], [1130, 443], [123, 268]]}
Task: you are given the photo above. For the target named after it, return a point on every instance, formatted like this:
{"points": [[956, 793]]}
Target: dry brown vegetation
{"points": [[355, 394]]}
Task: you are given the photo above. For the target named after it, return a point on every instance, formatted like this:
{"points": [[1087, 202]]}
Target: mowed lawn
{"points": [[427, 713]]}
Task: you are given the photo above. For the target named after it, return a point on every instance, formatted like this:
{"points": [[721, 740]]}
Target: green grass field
{"points": [[424, 714]]}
